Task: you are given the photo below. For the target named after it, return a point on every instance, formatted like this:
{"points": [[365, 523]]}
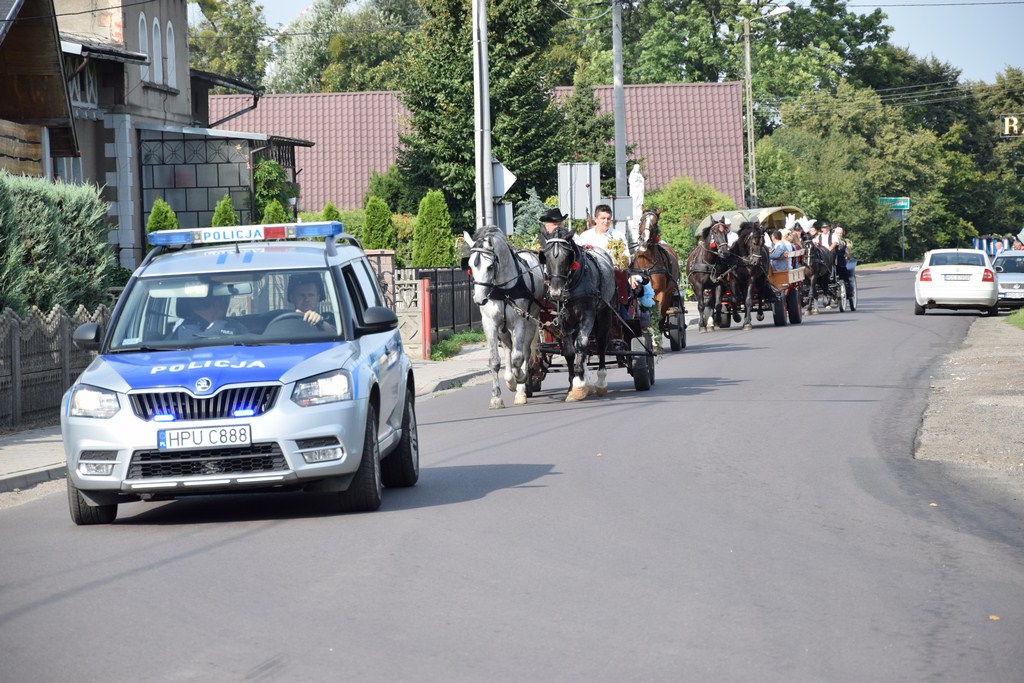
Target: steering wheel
{"points": [[286, 316]]}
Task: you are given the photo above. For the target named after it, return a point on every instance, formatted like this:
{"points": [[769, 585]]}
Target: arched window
{"points": [[144, 44], [158, 53], [172, 66]]}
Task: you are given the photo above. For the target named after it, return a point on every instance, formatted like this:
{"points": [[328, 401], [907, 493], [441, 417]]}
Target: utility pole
{"points": [[482, 118], [751, 167], [619, 105]]}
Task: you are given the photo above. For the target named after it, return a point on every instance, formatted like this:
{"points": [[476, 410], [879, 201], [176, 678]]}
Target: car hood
{"points": [[204, 371]]}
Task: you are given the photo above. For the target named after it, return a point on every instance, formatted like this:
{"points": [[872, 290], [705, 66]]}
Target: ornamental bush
{"points": [[683, 203], [53, 245], [224, 214], [275, 213], [161, 217], [433, 241], [379, 231]]}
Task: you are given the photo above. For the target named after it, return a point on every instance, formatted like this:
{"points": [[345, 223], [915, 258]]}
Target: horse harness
{"points": [[518, 290]]}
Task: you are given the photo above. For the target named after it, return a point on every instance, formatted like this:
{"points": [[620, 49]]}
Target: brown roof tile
{"points": [[692, 129]]}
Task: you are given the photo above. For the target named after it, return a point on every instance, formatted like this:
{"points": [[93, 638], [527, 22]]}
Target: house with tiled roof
{"points": [[691, 129]]}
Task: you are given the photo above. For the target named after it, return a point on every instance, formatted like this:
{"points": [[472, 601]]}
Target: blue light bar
{"points": [[243, 412], [164, 417], [245, 233]]}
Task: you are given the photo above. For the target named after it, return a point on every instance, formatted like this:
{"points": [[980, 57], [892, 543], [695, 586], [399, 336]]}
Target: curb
{"points": [[449, 383], [29, 478]]}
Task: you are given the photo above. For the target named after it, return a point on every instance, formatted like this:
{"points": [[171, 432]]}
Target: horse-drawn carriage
{"points": [[588, 308], [733, 282]]}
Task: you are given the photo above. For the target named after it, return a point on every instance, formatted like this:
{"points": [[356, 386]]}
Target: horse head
{"points": [[485, 264], [648, 231], [716, 238], [562, 259], [750, 239]]}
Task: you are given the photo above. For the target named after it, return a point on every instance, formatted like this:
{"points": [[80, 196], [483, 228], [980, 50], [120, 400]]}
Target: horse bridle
{"points": [[574, 274], [501, 291]]}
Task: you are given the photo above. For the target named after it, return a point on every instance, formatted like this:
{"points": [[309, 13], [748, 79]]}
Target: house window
{"points": [[158, 53], [172, 66], [144, 45], [83, 87]]}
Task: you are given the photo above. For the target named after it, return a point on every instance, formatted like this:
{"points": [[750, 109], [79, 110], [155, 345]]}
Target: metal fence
{"points": [[38, 361], [451, 299]]}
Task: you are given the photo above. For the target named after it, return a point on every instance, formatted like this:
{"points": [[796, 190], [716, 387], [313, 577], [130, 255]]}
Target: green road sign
{"points": [[895, 203]]}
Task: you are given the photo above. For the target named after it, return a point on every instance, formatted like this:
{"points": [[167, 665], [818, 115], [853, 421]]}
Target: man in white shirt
{"points": [[603, 231]]}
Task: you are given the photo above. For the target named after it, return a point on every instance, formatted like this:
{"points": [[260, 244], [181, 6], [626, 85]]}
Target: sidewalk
{"points": [[33, 456]]}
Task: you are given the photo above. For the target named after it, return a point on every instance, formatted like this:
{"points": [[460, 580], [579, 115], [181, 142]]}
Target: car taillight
{"points": [[989, 276], [926, 275]]}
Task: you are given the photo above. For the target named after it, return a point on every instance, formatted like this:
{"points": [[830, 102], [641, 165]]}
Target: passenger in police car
{"points": [[203, 317]]}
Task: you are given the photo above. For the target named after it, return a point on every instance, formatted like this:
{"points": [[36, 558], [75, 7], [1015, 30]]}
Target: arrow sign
{"points": [[503, 179]]}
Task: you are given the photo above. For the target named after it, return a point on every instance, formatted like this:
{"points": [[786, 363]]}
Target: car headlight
{"points": [[89, 401], [326, 388]]}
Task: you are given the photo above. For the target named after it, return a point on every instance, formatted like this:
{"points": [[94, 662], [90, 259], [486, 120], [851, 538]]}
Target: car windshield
{"points": [[265, 307], [1011, 264], [957, 259]]}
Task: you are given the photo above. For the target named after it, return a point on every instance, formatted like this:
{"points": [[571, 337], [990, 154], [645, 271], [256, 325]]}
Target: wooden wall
{"points": [[21, 149]]}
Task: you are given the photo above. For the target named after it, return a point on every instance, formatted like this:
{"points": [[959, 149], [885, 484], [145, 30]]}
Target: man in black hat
{"points": [[552, 220]]}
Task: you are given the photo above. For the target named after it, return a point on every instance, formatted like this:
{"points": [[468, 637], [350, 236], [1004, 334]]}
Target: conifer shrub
{"points": [[379, 231], [224, 214], [275, 213], [433, 241]]}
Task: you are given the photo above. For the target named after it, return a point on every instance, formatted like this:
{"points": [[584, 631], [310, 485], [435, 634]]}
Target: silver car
{"points": [[236, 362], [1009, 267]]}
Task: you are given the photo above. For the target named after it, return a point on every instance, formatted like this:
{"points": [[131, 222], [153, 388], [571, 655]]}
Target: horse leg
{"points": [[747, 325], [581, 386], [812, 302], [494, 361], [519, 361], [602, 331]]}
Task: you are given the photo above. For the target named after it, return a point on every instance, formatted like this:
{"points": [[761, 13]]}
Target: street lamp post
{"points": [[752, 166]]}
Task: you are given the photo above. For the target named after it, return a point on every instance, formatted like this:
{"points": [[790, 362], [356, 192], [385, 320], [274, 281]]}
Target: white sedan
{"points": [[956, 278]]}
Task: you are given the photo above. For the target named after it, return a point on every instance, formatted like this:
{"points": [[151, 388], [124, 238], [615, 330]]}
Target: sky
{"points": [[980, 37]]}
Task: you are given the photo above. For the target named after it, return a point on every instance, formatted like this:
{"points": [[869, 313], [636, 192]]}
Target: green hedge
{"points": [[53, 245]]}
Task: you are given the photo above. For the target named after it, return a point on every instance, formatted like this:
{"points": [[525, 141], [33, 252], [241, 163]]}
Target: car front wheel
{"points": [[84, 514], [364, 493], [402, 468]]}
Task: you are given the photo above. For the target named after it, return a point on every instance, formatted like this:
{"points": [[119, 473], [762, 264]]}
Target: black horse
{"points": [[818, 267], [706, 270], [581, 287], [751, 256]]}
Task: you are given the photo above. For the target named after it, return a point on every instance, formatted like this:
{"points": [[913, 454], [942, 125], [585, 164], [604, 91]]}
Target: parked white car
{"points": [[1009, 267], [955, 279]]}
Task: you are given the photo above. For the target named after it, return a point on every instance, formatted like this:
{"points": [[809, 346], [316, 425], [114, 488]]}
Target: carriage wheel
{"points": [[842, 296], [723, 319], [853, 293], [642, 372], [793, 306], [779, 312]]}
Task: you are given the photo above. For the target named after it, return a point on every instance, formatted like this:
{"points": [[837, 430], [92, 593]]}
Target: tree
{"points": [[330, 212], [161, 217], [433, 240], [379, 231], [302, 52], [224, 214], [683, 203], [437, 88], [394, 190], [588, 134], [527, 219], [229, 40], [271, 183]]}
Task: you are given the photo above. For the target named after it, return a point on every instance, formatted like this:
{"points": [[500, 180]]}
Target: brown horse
{"points": [[659, 263]]}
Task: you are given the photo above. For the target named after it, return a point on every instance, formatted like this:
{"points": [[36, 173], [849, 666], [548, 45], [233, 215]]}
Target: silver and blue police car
{"points": [[238, 359]]}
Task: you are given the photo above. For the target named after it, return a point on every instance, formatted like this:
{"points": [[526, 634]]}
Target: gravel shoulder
{"points": [[976, 404]]}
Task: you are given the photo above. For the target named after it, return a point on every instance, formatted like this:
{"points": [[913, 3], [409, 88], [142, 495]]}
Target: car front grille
{"points": [[259, 457], [181, 406]]}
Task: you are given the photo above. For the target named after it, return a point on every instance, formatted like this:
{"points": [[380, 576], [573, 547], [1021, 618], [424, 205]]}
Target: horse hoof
{"points": [[601, 391], [748, 326], [520, 400], [497, 403], [701, 330], [576, 395]]}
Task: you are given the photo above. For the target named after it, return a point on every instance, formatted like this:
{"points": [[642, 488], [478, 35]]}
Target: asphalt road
{"points": [[757, 515]]}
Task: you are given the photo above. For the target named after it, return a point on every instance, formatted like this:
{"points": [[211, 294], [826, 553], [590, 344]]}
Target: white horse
{"points": [[508, 286]]}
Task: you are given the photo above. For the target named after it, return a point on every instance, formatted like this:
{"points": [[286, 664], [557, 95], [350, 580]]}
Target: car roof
{"points": [[956, 251], [1010, 252], [275, 255]]}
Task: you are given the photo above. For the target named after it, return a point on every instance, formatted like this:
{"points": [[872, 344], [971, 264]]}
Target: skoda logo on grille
{"points": [[203, 385]]}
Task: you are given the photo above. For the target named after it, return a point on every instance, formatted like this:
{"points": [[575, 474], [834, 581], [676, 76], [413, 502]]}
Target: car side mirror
{"points": [[999, 269], [87, 336], [378, 319]]}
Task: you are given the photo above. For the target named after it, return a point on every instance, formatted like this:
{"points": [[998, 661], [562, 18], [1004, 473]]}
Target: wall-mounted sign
{"points": [[1011, 125]]}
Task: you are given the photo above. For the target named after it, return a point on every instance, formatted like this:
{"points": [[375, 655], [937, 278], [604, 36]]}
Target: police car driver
{"points": [[305, 292]]}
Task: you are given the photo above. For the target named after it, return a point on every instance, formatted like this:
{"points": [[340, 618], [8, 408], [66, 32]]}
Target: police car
{"points": [[240, 359]]}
